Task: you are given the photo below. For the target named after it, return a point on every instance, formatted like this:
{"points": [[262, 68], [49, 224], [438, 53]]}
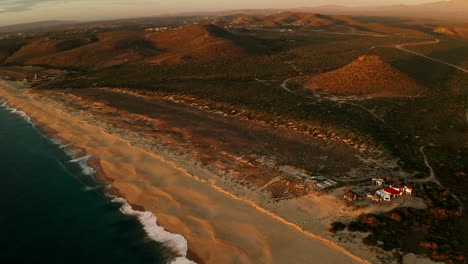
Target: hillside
{"points": [[368, 76], [200, 42], [8, 47], [460, 31], [43, 47], [193, 43], [107, 49]]}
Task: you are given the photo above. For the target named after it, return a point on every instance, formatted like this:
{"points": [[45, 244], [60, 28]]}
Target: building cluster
{"points": [[392, 192], [15, 36], [384, 194], [157, 29], [389, 192], [37, 77]]}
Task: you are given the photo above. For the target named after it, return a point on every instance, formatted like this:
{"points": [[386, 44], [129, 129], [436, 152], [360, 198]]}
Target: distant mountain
{"points": [[231, 12], [313, 21], [453, 10], [460, 31], [33, 26]]}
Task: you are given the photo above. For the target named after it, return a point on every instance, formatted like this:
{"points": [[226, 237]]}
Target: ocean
{"points": [[53, 211]]}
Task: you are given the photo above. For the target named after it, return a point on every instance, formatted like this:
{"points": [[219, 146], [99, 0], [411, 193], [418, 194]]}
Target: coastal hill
{"points": [[45, 46], [192, 43], [200, 42], [107, 49], [368, 76]]}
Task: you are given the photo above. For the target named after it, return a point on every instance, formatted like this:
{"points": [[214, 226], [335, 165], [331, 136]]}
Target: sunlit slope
{"points": [[201, 42], [460, 31], [108, 49], [43, 47], [368, 76]]}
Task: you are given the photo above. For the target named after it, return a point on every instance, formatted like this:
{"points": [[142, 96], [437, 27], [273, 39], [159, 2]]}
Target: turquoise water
{"points": [[51, 212]]}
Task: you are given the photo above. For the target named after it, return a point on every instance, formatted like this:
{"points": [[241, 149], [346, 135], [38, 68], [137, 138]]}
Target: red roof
{"points": [[392, 191], [400, 186]]}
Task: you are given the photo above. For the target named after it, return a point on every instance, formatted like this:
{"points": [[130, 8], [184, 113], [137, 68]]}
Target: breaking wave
{"points": [[176, 243], [4, 104], [88, 170]]}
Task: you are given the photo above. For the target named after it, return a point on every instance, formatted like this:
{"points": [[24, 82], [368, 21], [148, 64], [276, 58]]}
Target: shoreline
{"points": [[93, 162], [125, 189]]}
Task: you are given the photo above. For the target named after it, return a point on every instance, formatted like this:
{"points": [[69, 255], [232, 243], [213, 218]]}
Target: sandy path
{"points": [[402, 48], [336, 99], [219, 227], [432, 177]]}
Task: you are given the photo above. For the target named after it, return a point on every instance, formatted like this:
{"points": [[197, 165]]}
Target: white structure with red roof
{"points": [[403, 189], [391, 192], [399, 187]]}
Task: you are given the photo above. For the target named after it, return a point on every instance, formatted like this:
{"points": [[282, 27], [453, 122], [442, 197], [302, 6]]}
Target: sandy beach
{"points": [[219, 226]]}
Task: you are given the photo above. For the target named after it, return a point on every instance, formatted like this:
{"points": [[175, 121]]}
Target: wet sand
{"points": [[219, 227]]}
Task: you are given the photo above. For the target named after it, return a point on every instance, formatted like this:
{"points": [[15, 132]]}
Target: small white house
{"points": [[378, 181]]}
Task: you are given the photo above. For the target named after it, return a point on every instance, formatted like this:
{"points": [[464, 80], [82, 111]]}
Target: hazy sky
{"points": [[20, 11]]}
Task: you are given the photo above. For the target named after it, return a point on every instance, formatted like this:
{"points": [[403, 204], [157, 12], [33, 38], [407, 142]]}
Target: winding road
{"points": [[402, 47], [432, 177]]}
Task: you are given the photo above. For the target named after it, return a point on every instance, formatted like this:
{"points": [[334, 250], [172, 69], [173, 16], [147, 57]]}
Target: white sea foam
{"points": [[90, 189], [85, 158], [84, 165], [177, 243], [4, 104], [66, 146]]}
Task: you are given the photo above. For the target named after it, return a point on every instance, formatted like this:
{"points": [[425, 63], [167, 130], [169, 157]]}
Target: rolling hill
{"points": [[193, 43], [43, 47], [316, 21], [200, 42], [107, 49], [460, 31], [368, 76]]}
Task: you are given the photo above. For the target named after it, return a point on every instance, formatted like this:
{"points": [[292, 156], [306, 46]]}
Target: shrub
{"points": [[336, 226]]}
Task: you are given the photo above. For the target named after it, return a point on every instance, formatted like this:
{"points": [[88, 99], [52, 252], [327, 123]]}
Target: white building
{"points": [[378, 181], [384, 195]]}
